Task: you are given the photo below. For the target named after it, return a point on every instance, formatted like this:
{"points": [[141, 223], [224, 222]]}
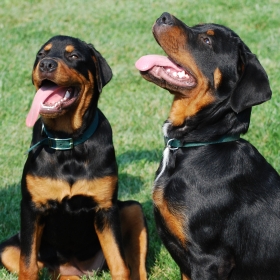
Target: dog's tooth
{"points": [[174, 74], [181, 74], [168, 70]]}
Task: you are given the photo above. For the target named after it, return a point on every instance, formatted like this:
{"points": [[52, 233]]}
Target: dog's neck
{"points": [[201, 128], [66, 143], [66, 125]]}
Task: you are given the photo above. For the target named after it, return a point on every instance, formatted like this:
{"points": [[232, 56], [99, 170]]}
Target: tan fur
{"points": [[174, 221], [135, 240], [48, 47], [44, 189], [69, 48]]}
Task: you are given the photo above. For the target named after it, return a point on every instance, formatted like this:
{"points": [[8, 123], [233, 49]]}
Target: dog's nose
{"points": [[165, 18], [47, 65]]}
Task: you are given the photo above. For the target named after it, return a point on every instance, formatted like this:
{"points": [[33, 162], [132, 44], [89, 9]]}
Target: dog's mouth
{"points": [[163, 68], [50, 100], [57, 97]]}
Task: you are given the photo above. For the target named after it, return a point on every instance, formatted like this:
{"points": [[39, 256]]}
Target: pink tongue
{"points": [[51, 94], [149, 61]]}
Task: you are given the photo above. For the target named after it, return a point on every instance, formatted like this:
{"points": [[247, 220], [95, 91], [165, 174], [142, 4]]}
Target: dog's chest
{"points": [[69, 181], [172, 211]]}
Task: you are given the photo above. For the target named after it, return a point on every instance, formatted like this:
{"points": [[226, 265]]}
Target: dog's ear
{"points": [[104, 74], [253, 86]]}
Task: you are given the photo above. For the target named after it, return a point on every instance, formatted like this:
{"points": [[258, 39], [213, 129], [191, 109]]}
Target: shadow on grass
{"points": [[9, 211], [133, 185], [136, 156], [154, 240], [129, 185]]}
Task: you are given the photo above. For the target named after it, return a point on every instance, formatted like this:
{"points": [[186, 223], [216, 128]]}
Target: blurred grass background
{"points": [[121, 31]]}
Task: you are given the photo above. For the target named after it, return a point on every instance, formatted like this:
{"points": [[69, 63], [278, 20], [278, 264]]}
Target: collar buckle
{"points": [[61, 144], [170, 146]]}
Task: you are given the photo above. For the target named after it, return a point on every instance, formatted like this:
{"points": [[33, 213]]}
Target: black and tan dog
{"points": [[70, 216], [216, 198]]}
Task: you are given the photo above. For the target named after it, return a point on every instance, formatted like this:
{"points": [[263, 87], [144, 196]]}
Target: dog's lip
{"points": [[165, 68]]}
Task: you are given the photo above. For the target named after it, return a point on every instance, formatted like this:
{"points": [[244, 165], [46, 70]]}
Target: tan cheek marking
{"points": [[69, 48], [85, 99], [48, 47], [44, 189], [192, 101], [217, 78], [210, 32], [182, 108], [187, 106], [36, 77], [174, 222], [186, 103], [72, 119]]}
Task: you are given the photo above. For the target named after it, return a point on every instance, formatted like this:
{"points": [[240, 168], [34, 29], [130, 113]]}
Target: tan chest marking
{"points": [[44, 189], [174, 220]]}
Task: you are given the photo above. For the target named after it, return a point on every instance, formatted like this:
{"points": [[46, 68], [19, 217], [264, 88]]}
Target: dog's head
{"points": [[207, 65], [68, 75]]}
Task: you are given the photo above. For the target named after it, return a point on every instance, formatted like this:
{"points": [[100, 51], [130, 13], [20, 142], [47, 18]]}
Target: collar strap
{"points": [[67, 143], [174, 144]]}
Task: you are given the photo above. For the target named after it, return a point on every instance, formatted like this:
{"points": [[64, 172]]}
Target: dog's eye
{"points": [[73, 56], [206, 40], [41, 54]]}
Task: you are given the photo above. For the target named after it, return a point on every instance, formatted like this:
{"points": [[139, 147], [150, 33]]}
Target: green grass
{"points": [[121, 31]]}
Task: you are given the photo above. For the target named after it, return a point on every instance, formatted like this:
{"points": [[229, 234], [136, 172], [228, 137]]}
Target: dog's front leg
{"points": [[30, 237], [107, 226]]}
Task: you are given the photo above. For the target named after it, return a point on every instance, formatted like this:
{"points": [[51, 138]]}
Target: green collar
{"points": [[67, 143], [174, 144]]}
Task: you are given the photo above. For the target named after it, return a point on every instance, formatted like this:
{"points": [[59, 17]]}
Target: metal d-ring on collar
{"points": [[67, 143], [174, 144]]}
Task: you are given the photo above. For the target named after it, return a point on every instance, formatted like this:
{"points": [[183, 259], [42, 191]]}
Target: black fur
{"points": [[216, 206], [61, 220]]}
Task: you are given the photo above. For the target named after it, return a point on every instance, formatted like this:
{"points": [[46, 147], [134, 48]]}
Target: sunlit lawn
{"points": [[121, 31]]}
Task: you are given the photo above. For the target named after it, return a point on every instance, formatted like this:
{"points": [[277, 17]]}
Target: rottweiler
{"points": [[216, 199], [72, 222]]}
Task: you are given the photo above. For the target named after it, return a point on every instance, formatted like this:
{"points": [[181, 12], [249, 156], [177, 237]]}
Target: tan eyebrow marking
{"points": [[210, 32], [69, 48], [48, 47]]}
